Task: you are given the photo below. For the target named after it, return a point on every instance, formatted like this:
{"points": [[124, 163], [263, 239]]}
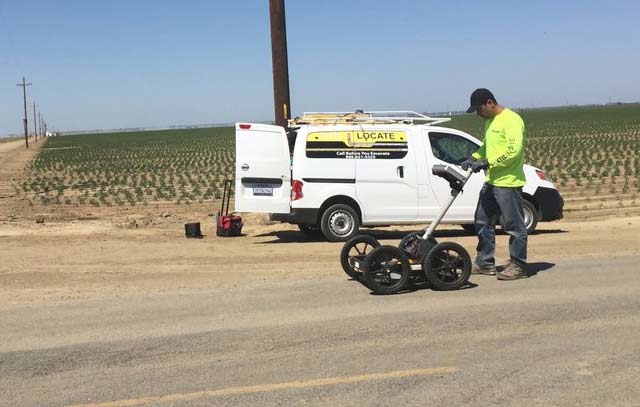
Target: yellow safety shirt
{"points": [[503, 148]]}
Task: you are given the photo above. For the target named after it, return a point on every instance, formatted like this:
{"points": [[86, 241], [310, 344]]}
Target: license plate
{"points": [[263, 190]]}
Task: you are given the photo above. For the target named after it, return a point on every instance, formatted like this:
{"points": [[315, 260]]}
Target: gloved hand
{"points": [[466, 164], [476, 166]]}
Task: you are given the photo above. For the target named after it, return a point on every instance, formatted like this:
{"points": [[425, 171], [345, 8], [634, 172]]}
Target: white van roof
{"points": [[362, 117]]}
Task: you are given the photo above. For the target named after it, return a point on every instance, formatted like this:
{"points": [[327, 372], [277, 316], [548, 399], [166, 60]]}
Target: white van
{"points": [[334, 172]]}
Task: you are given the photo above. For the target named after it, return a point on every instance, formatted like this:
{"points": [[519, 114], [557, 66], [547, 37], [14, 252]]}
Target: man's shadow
{"points": [[534, 268]]}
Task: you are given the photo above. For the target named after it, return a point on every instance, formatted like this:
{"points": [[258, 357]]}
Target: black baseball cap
{"points": [[479, 97]]}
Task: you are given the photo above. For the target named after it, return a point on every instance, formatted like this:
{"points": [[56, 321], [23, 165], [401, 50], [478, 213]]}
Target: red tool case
{"points": [[227, 225]]}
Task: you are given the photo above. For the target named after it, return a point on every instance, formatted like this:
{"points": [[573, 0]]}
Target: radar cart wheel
{"points": [[386, 270], [447, 266], [354, 252]]}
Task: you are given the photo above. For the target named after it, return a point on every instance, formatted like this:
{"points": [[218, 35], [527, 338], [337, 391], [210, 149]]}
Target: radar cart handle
{"points": [[456, 181]]}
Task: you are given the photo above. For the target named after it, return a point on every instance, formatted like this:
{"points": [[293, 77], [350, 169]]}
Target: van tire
{"points": [[530, 217], [339, 223]]}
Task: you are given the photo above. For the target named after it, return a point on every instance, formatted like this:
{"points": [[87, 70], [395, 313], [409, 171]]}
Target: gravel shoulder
{"points": [[62, 261]]}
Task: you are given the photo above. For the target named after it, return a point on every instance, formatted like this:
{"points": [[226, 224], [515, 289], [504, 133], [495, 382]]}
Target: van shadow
{"points": [[294, 236], [500, 232]]}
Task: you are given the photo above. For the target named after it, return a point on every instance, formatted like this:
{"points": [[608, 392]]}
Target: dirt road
{"points": [[95, 258], [94, 315], [14, 157]]}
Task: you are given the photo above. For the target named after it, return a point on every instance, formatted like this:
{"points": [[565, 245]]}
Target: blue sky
{"points": [[117, 64]]}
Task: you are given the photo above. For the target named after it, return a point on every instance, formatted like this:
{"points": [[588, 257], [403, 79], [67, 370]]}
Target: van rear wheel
{"points": [[339, 223]]}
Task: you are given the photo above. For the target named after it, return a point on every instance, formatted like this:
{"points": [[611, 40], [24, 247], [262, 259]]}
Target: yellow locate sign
{"points": [[359, 138]]}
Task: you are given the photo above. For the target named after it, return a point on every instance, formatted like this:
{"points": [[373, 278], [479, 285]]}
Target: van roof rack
{"points": [[362, 117]]}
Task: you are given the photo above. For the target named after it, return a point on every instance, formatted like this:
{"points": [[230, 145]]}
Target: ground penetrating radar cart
{"points": [[419, 260]]}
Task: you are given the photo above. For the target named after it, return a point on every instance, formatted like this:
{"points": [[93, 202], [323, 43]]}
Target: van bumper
{"points": [[298, 216], [550, 203]]}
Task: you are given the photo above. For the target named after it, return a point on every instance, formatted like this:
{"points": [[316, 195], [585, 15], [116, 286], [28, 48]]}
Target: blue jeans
{"points": [[493, 202]]}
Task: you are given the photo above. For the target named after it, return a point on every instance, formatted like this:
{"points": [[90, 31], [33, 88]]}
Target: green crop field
{"points": [[132, 168], [586, 150]]}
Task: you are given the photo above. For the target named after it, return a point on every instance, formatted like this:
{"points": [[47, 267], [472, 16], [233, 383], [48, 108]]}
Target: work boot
{"points": [[487, 271], [503, 267], [512, 271]]}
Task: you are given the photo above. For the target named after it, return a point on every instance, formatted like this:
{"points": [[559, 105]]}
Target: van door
{"points": [[386, 179], [446, 147], [263, 175]]}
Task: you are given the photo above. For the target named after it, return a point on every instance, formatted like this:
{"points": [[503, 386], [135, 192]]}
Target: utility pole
{"points": [[280, 62], [24, 95], [35, 129], [40, 122]]}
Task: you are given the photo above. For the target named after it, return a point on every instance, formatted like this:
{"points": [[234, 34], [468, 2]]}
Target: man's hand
{"points": [[476, 166], [466, 164]]}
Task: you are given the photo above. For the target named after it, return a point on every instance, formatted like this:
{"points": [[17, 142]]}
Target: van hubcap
{"points": [[528, 218], [341, 223]]}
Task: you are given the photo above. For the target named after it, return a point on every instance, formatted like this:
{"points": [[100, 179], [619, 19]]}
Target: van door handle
{"points": [[400, 170]]}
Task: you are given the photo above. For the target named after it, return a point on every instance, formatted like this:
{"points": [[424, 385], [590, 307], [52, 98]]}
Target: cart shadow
{"points": [[424, 287]]}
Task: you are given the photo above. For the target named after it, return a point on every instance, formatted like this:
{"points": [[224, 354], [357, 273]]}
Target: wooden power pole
{"points": [[280, 62], [35, 129], [24, 96]]}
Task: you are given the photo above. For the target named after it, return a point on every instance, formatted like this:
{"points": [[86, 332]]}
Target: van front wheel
{"points": [[339, 223], [530, 216]]}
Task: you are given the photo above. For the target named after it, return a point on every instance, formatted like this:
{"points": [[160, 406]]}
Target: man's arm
{"points": [[481, 154]]}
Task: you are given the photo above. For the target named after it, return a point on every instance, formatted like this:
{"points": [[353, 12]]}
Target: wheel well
{"points": [[340, 199]]}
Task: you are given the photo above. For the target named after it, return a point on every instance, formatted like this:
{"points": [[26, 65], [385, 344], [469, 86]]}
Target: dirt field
{"points": [[80, 253]]}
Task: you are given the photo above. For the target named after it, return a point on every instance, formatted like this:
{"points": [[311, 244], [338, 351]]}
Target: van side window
{"points": [[451, 148]]}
